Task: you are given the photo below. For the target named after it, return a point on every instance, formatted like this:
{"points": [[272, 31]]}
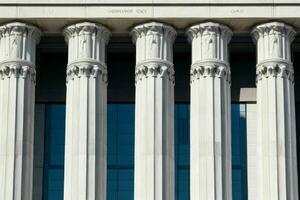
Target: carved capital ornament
{"points": [[209, 42], [17, 57], [273, 42], [153, 28], [154, 42], [210, 69], [87, 69], [87, 42], [161, 69]]}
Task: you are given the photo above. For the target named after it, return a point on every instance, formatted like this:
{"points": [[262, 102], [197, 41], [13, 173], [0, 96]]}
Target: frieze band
{"points": [[161, 69]]}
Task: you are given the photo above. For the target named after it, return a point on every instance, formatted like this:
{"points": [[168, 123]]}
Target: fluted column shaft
{"points": [[17, 97], [276, 132], [154, 175], [210, 132], [86, 111]]}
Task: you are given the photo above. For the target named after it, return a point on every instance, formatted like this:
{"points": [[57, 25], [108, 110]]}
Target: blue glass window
{"points": [[182, 151], [239, 151], [120, 152], [54, 152]]}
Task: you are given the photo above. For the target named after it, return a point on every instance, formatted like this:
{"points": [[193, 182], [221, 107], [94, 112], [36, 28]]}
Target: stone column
{"points": [[154, 176], [276, 132], [210, 136], [17, 97], [86, 110]]}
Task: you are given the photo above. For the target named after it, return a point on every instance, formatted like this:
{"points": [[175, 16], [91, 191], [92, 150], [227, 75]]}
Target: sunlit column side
{"points": [[276, 132], [86, 110], [210, 130], [154, 176], [17, 97]]}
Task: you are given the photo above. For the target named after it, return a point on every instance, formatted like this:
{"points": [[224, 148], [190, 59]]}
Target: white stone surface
{"points": [[252, 165], [210, 132], [53, 15], [17, 95], [276, 126], [154, 171], [86, 112], [149, 1]]}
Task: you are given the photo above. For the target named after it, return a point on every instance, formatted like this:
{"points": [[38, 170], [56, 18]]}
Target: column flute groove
{"points": [[17, 99], [210, 132], [86, 112], [154, 173], [276, 132]]}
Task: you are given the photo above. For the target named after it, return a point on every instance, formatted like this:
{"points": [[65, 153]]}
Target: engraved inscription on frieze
{"points": [[139, 11]]}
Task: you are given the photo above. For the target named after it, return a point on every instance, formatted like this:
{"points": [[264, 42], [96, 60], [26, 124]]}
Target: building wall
{"points": [[50, 93]]}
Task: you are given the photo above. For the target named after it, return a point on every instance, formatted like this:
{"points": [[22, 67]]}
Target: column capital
{"points": [[273, 28], [87, 42], [209, 42], [153, 28], [19, 28], [273, 42], [17, 57], [155, 69], [208, 28], [86, 28], [210, 69], [154, 54]]}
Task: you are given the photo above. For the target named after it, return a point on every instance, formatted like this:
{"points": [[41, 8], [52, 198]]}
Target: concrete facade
{"points": [[153, 24]]}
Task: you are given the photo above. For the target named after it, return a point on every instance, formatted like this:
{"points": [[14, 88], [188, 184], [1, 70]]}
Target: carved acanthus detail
{"points": [[204, 70], [84, 69], [86, 28], [20, 29], [17, 70], [18, 42], [273, 42], [153, 28], [274, 28], [266, 70], [154, 69]]}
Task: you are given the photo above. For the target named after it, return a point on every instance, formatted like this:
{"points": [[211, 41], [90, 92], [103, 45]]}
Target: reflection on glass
{"points": [[120, 152]]}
